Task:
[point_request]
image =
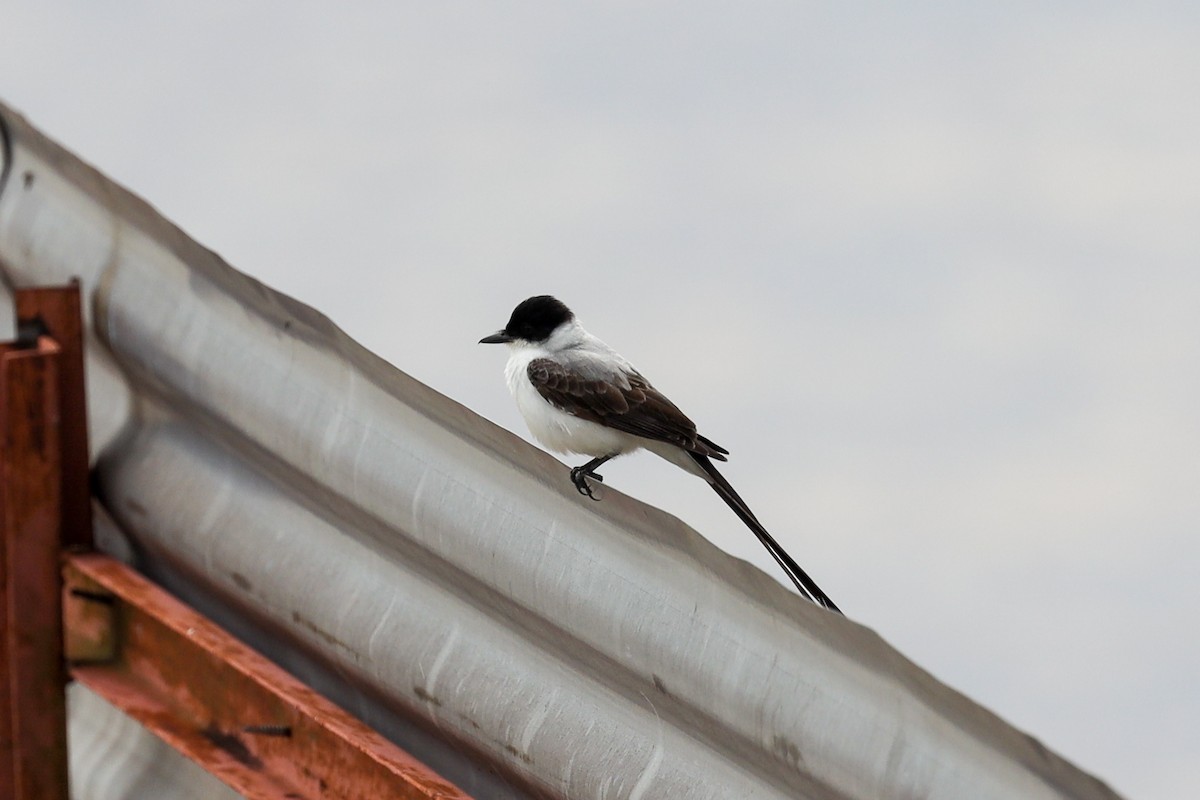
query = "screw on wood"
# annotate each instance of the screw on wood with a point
(269, 730)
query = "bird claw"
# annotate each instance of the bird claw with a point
(579, 477)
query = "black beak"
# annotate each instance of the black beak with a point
(499, 337)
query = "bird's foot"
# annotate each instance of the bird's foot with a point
(579, 477)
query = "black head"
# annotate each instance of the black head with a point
(532, 321)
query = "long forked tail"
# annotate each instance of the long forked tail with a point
(806, 585)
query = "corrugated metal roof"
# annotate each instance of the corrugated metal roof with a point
(437, 576)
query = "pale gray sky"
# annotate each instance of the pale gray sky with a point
(960, 246)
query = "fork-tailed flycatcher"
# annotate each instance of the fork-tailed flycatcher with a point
(578, 395)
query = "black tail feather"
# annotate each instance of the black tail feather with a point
(804, 584)
(714, 450)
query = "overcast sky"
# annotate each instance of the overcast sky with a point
(931, 272)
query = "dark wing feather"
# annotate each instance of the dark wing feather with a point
(639, 409)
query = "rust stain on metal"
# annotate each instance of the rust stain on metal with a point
(329, 638)
(247, 721)
(33, 759)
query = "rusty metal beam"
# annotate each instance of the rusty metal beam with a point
(33, 752)
(217, 701)
(56, 311)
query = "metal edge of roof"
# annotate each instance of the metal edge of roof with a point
(433, 572)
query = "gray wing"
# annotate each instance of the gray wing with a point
(624, 401)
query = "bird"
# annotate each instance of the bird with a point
(578, 395)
